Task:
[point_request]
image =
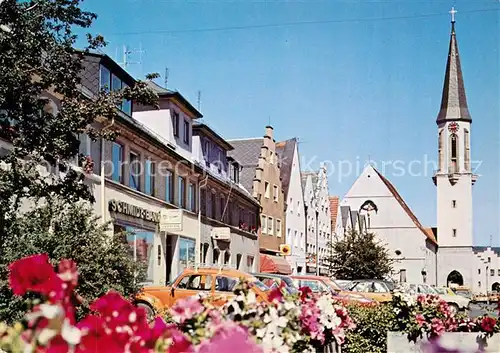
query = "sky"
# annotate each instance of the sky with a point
(353, 80)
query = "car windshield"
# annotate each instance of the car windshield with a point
(260, 285)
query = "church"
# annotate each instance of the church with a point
(444, 254)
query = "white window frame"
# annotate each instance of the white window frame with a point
(267, 191)
(278, 227)
(270, 226)
(263, 224)
(276, 193)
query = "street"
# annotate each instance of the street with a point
(479, 309)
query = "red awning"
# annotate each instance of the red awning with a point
(274, 264)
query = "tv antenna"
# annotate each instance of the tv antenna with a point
(166, 77)
(126, 54)
(199, 100)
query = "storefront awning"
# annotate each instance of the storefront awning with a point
(274, 264)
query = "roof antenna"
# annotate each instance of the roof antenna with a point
(199, 100)
(166, 77)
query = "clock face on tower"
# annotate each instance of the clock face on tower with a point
(453, 127)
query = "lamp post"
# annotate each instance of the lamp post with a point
(317, 243)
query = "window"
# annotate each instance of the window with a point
(271, 157)
(141, 245)
(222, 207)
(278, 228)
(126, 103)
(186, 132)
(117, 157)
(206, 150)
(175, 123)
(169, 186)
(236, 173)
(216, 256)
(467, 150)
(479, 284)
(478, 271)
(191, 197)
(267, 190)
(454, 154)
(302, 240)
(263, 223)
(181, 192)
(454, 232)
(135, 171)
(214, 205)
(492, 272)
(159, 255)
(238, 261)
(227, 257)
(225, 284)
(298, 208)
(290, 205)
(489, 259)
(150, 177)
(204, 252)
(296, 239)
(250, 263)
(454, 203)
(195, 282)
(105, 79)
(187, 248)
(275, 193)
(270, 226)
(116, 83)
(440, 151)
(499, 272)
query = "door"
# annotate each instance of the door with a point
(187, 286)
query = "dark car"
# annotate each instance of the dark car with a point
(274, 280)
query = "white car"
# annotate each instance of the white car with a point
(456, 302)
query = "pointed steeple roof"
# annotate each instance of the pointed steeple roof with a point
(454, 103)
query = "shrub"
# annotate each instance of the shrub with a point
(372, 324)
(72, 232)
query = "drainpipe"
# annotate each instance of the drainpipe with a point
(306, 233)
(317, 243)
(103, 179)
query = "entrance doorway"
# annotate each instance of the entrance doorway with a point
(495, 287)
(456, 278)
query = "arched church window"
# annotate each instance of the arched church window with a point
(454, 154)
(440, 150)
(467, 150)
(367, 208)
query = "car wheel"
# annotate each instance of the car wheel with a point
(453, 308)
(150, 312)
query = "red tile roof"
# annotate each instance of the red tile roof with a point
(334, 209)
(397, 196)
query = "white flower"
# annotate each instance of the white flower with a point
(251, 298)
(71, 334)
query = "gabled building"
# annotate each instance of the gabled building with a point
(288, 156)
(318, 220)
(260, 175)
(386, 214)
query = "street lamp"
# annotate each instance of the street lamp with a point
(317, 243)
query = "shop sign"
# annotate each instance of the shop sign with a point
(221, 233)
(134, 211)
(170, 220)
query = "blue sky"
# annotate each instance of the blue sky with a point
(358, 79)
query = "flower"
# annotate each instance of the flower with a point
(34, 274)
(186, 309)
(420, 320)
(228, 339)
(488, 324)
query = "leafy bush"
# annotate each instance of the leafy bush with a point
(73, 232)
(372, 324)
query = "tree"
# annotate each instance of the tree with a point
(360, 256)
(37, 55)
(70, 231)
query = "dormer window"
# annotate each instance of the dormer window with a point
(175, 123)
(186, 132)
(110, 82)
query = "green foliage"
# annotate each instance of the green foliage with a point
(37, 56)
(372, 325)
(72, 232)
(360, 256)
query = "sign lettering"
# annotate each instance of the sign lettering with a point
(134, 211)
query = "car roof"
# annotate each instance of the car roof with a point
(319, 278)
(217, 271)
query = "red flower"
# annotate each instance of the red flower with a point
(276, 295)
(305, 292)
(488, 324)
(95, 339)
(34, 274)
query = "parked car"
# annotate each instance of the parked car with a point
(445, 291)
(272, 280)
(463, 291)
(320, 284)
(377, 290)
(456, 302)
(343, 283)
(217, 284)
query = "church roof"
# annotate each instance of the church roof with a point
(405, 207)
(285, 150)
(454, 101)
(334, 209)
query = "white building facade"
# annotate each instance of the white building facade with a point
(295, 218)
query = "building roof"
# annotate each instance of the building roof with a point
(314, 180)
(405, 207)
(163, 92)
(210, 133)
(454, 102)
(334, 209)
(285, 151)
(246, 152)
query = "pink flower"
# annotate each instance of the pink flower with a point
(275, 295)
(229, 339)
(186, 309)
(34, 274)
(96, 337)
(180, 343)
(420, 320)
(437, 327)
(68, 272)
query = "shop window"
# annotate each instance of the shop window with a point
(141, 244)
(117, 157)
(135, 171)
(169, 186)
(216, 256)
(187, 249)
(181, 192)
(150, 177)
(250, 263)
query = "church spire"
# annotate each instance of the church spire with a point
(453, 103)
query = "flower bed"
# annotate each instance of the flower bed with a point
(300, 323)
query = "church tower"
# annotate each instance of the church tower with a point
(454, 177)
